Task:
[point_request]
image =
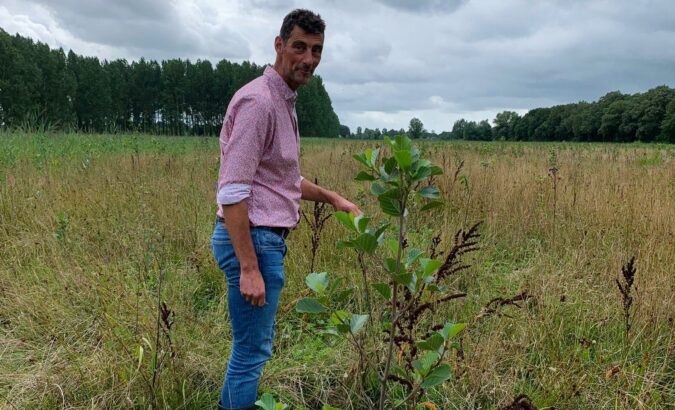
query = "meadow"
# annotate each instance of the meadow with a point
(110, 297)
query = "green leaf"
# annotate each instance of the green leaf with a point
(318, 282)
(390, 165)
(403, 158)
(430, 192)
(347, 219)
(437, 376)
(310, 305)
(429, 266)
(431, 205)
(373, 154)
(413, 255)
(366, 242)
(267, 402)
(362, 159)
(389, 202)
(392, 245)
(451, 330)
(383, 289)
(423, 365)
(364, 176)
(361, 223)
(356, 322)
(403, 142)
(339, 317)
(343, 295)
(377, 189)
(379, 231)
(436, 170)
(433, 343)
(327, 407)
(403, 278)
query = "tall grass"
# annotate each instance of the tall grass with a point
(89, 224)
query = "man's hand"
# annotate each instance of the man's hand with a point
(252, 287)
(341, 204)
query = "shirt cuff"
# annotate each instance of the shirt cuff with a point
(233, 193)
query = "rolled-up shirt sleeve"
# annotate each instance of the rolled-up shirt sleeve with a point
(246, 129)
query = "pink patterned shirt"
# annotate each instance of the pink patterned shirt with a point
(259, 152)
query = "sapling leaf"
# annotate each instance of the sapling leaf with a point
(437, 376)
(346, 219)
(366, 242)
(361, 223)
(436, 170)
(373, 156)
(429, 192)
(362, 159)
(451, 330)
(343, 295)
(433, 343)
(429, 266)
(327, 407)
(364, 176)
(318, 282)
(310, 305)
(339, 317)
(392, 245)
(390, 165)
(431, 205)
(356, 322)
(423, 365)
(377, 189)
(267, 402)
(390, 202)
(403, 278)
(413, 255)
(403, 158)
(383, 289)
(403, 142)
(379, 231)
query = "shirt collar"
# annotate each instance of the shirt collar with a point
(279, 84)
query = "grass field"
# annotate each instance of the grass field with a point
(95, 231)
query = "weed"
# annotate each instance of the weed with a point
(626, 288)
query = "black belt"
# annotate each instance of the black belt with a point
(283, 232)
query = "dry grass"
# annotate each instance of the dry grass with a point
(86, 224)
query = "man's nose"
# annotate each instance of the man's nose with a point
(307, 58)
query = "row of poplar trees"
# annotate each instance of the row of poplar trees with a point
(47, 88)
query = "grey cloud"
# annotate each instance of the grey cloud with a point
(442, 6)
(149, 28)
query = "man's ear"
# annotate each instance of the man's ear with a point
(278, 44)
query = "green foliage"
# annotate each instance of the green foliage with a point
(410, 279)
(267, 402)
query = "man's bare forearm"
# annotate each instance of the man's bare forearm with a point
(236, 221)
(313, 192)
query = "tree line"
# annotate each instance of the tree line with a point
(615, 117)
(47, 88)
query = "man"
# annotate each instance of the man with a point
(259, 192)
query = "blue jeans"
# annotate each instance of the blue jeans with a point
(252, 326)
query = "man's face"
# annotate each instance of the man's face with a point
(299, 56)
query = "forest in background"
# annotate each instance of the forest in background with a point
(45, 87)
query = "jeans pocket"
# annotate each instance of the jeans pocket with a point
(266, 239)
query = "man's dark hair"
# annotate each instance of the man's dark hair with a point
(305, 19)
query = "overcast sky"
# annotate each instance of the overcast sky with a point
(386, 61)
